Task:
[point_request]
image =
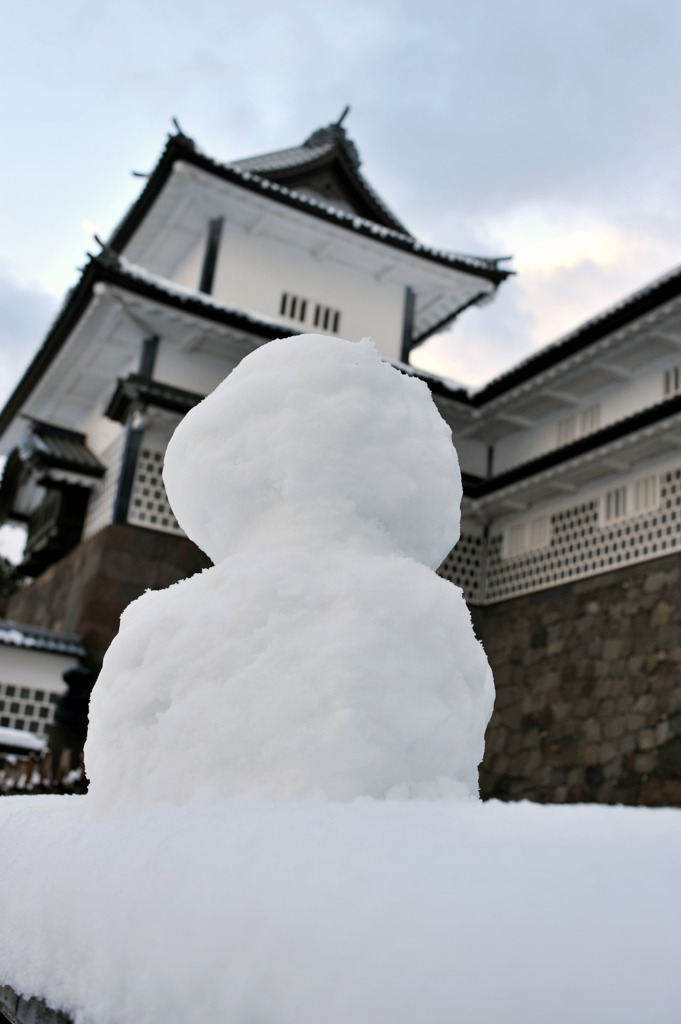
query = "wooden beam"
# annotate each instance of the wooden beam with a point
(408, 323)
(210, 257)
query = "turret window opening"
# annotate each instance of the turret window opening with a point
(295, 308)
(326, 318)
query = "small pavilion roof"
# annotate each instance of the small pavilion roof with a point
(326, 150)
(180, 147)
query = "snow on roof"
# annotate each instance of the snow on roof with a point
(16, 634)
(62, 447)
(353, 220)
(323, 143)
(457, 389)
(134, 270)
(283, 159)
(645, 299)
(18, 738)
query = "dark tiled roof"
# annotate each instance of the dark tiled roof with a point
(111, 270)
(643, 301)
(477, 487)
(16, 634)
(61, 448)
(149, 392)
(181, 148)
(319, 150)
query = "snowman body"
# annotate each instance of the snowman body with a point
(320, 655)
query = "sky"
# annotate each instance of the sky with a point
(541, 129)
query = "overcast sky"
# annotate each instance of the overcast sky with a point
(539, 128)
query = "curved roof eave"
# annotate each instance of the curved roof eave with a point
(179, 147)
(110, 269)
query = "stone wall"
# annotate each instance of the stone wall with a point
(87, 591)
(588, 679)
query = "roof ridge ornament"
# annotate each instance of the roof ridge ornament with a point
(108, 257)
(334, 133)
(180, 136)
(346, 111)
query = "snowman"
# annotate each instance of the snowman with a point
(321, 656)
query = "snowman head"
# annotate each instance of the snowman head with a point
(314, 423)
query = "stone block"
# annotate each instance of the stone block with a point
(615, 727)
(530, 739)
(613, 769)
(665, 677)
(646, 702)
(661, 614)
(655, 581)
(635, 664)
(620, 687)
(645, 763)
(594, 775)
(532, 763)
(624, 705)
(673, 701)
(511, 717)
(627, 744)
(612, 648)
(592, 729)
(663, 732)
(591, 754)
(561, 711)
(646, 739)
(669, 755)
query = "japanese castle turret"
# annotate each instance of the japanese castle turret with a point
(570, 549)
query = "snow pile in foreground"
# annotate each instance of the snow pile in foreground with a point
(321, 660)
(371, 912)
(321, 654)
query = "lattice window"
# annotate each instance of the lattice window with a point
(631, 499)
(463, 566)
(26, 708)
(615, 504)
(578, 424)
(672, 381)
(149, 504)
(583, 544)
(646, 494)
(526, 536)
(101, 504)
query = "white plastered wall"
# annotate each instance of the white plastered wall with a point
(42, 670)
(253, 271)
(616, 402)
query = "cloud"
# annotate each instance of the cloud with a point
(480, 124)
(25, 314)
(563, 280)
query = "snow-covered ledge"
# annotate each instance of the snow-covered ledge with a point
(283, 823)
